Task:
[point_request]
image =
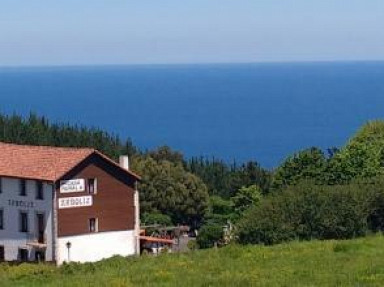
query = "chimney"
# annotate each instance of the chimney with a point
(124, 162)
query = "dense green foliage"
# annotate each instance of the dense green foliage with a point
(223, 212)
(319, 196)
(328, 263)
(155, 219)
(308, 164)
(245, 198)
(39, 131)
(209, 235)
(165, 153)
(220, 210)
(168, 189)
(308, 211)
(225, 180)
(361, 158)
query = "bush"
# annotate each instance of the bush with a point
(219, 205)
(245, 198)
(220, 211)
(376, 216)
(308, 211)
(210, 234)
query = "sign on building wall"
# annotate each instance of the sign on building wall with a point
(21, 203)
(73, 185)
(72, 202)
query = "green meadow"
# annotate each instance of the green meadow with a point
(358, 262)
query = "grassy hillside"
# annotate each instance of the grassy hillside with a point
(358, 262)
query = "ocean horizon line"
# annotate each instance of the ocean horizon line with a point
(151, 65)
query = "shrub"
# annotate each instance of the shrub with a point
(376, 191)
(219, 205)
(210, 234)
(309, 211)
(245, 198)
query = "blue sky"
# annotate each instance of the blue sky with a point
(74, 32)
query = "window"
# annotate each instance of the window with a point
(23, 221)
(1, 219)
(93, 225)
(23, 255)
(39, 190)
(92, 186)
(2, 253)
(40, 225)
(23, 187)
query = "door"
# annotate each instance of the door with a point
(2, 253)
(40, 227)
(39, 256)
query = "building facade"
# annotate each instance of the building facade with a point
(25, 220)
(64, 204)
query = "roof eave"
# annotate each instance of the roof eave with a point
(51, 180)
(104, 157)
(138, 177)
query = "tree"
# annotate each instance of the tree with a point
(219, 205)
(209, 235)
(224, 180)
(36, 130)
(220, 210)
(166, 153)
(308, 164)
(155, 218)
(362, 157)
(245, 198)
(168, 189)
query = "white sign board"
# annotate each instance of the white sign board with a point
(72, 202)
(73, 185)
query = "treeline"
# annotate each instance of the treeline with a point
(35, 130)
(224, 180)
(195, 191)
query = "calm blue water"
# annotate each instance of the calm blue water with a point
(250, 111)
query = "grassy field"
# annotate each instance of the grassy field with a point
(357, 262)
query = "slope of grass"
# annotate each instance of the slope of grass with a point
(358, 262)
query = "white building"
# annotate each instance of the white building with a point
(65, 204)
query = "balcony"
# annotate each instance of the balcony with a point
(37, 240)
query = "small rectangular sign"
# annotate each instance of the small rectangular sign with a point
(21, 203)
(72, 202)
(73, 185)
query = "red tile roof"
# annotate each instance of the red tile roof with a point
(42, 162)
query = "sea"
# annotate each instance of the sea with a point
(234, 112)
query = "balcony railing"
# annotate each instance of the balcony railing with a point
(38, 239)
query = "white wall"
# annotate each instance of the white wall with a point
(137, 221)
(11, 237)
(96, 246)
